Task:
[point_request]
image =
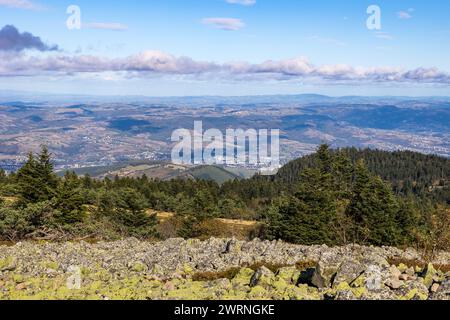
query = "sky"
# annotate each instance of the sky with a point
(225, 47)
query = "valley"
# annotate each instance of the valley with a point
(96, 133)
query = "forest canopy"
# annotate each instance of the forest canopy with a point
(332, 197)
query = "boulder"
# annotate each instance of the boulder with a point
(7, 264)
(243, 277)
(302, 292)
(373, 278)
(428, 275)
(434, 288)
(326, 270)
(394, 272)
(443, 292)
(348, 271)
(394, 283)
(288, 274)
(262, 277)
(414, 290)
(410, 272)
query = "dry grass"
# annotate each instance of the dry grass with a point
(211, 276)
(162, 216)
(232, 272)
(244, 223)
(10, 200)
(304, 265)
(219, 228)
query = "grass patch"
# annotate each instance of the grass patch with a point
(211, 276)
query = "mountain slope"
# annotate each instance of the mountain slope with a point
(408, 172)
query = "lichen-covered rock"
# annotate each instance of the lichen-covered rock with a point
(393, 283)
(262, 277)
(7, 264)
(243, 277)
(348, 271)
(413, 290)
(132, 269)
(258, 292)
(326, 269)
(394, 272)
(428, 275)
(288, 274)
(443, 292)
(373, 277)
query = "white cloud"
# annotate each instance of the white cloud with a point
(405, 14)
(105, 26)
(383, 35)
(19, 4)
(157, 63)
(229, 24)
(242, 2)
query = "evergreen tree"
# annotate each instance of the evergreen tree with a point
(3, 176)
(28, 181)
(306, 217)
(69, 199)
(36, 178)
(131, 212)
(373, 209)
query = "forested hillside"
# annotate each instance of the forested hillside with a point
(332, 197)
(408, 172)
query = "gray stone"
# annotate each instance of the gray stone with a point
(262, 277)
(326, 270)
(395, 273)
(434, 288)
(443, 292)
(410, 271)
(348, 271)
(394, 283)
(374, 278)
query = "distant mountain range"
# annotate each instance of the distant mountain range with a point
(103, 131)
(166, 171)
(302, 98)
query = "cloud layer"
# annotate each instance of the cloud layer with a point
(151, 63)
(12, 40)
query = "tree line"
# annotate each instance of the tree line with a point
(333, 197)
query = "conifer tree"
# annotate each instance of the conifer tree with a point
(36, 178)
(28, 181)
(69, 199)
(373, 209)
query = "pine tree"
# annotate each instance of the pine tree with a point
(69, 199)
(28, 181)
(3, 176)
(306, 217)
(359, 208)
(373, 209)
(36, 178)
(130, 211)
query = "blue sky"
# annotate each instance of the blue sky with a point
(340, 56)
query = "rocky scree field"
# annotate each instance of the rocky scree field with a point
(218, 269)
